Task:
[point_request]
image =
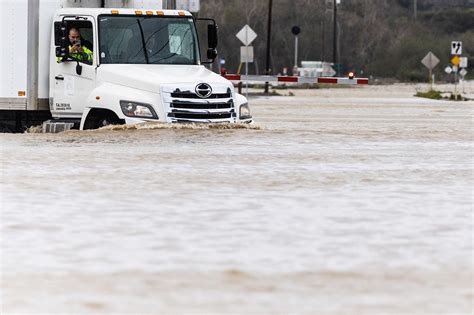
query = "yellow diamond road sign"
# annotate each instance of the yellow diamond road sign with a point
(456, 60)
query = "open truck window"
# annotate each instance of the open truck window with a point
(148, 40)
(80, 34)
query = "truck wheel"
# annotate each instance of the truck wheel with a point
(106, 121)
(99, 120)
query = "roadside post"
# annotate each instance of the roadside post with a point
(296, 30)
(246, 35)
(448, 69)
(463, 71)
(430, 61)
(455, 62)
(456, 52)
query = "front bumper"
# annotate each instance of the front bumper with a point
(183, 105)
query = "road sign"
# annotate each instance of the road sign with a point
(463, 72)
(456, 48)
(246, 35)
(328, 70)
(246, 54)
(188, 5)
(463, 63)
(456, 60)
(430, 61)
(448, 70)
(296, 30)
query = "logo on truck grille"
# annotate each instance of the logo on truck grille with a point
(203, 90)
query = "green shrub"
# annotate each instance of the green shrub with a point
(432, 94)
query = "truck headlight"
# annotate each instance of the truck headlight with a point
(138, 110)
(245, 111)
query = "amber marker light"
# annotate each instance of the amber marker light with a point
(115, 12)
(21, 93)
(160, 12)
(181, 13)
(97, 97)
(149, 12)
(138, 12)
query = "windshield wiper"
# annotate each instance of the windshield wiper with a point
(143, 41)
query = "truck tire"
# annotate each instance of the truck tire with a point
(99, 119)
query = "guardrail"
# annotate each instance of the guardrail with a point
(300, 80)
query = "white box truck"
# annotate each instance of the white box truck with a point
(90, 63)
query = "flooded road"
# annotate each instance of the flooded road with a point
(338, 201)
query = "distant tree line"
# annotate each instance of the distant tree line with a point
(379, 38)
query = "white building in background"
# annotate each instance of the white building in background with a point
(316, 69)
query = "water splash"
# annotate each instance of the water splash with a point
(190, 126)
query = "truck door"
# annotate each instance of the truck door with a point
(70, 87)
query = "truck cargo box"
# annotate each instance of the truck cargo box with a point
(25, 30)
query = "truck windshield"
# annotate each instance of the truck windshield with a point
(148, 40)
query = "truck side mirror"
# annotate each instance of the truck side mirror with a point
(211, 53)
(212, 36)
(61, 40)
(211, 40)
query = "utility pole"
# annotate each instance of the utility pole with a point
(415, 8)
(170, 4)
(296, 31)
(334, 51)
(323, 40)
(296, 52)
(269, 38)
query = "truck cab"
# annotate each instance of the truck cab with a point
(145, 67)
(143, 63)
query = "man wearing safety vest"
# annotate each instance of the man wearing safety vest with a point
(76, 50)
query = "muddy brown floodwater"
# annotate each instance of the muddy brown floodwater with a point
(337, 201)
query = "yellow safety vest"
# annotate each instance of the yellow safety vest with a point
(86, 56)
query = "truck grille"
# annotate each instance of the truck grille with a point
(191, 105)
(183, 105)
(193, 95)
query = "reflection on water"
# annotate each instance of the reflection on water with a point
(361, 204)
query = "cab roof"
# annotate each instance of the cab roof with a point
(120, 11)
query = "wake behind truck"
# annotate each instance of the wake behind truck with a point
(145, 66)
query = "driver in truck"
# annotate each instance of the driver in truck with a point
(76, 50)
